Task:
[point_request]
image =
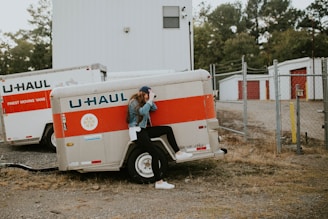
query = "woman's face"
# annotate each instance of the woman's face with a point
(146, 96)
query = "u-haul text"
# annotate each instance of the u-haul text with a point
(100, 100)
(28, 86)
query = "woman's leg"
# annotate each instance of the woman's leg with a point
(144, 141)
(157, 131)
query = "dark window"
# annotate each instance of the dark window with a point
(171, 17)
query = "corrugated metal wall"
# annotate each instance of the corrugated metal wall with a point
(313, 84)
(124, 35)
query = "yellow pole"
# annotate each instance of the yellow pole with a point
(292, 121)
(306, 91)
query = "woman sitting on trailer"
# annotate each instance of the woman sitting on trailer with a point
(140, 104)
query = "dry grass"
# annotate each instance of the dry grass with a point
(256, 177)
(252, 181)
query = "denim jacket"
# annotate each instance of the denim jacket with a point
(144, 111)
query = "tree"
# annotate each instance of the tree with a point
(278, 15)
(285, 47)
(29, 49)
(18, 57)
(226, 18)
(316, 17)
(4, 58)
(242, 45)
(200, 17)
(252, 17)
(207, 46)
(265, 30)
(41, 36)
(207, 40)
(262, 17)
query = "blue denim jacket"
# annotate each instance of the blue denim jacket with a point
(144, 111)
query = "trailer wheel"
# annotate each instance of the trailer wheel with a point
(139, 165)
(49, 138)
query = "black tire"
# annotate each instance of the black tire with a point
(139, 165)
(49, 138)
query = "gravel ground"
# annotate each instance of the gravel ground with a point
(290, 186)
(263, 114)
(252, 181)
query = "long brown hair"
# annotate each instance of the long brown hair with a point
(140, 98)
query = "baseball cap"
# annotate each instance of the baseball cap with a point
(145, 89)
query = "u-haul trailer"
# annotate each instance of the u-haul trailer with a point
(92, 134)
(25, 103)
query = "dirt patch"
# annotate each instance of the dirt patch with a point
(252, 181)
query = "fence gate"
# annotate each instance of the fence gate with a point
(311, 102)
(274, 94)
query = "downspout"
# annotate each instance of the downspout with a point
(190, 47)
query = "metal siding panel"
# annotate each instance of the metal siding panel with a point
(93, 31)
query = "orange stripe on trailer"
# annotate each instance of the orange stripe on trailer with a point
(58, 126)
(109, 119)
(183, 110)
(113, 118)
(26, 102)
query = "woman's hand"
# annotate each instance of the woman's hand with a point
(152, 95)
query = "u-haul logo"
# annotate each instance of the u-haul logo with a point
(89, 122)
(97, 100)
(28, 86)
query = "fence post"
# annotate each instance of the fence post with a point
(244, 69)
(299, 93)
(325, 97)
(276, 88)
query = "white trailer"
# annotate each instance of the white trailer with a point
(92, 133)
(25, 103)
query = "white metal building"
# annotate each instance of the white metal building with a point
(124, 35)
(262, 87)
(231, 88)
(311, 85)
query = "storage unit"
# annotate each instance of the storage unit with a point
(290, 72)
(231, 88)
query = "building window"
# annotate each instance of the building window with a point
(171, 17)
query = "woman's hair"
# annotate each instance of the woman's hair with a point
(140, 98)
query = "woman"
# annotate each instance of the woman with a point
(140, 104)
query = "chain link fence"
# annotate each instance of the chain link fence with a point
(284, 104)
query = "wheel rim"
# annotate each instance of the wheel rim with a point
(143, 165)
(53, 140)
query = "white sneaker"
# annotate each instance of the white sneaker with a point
(164, 185)
(183, 156)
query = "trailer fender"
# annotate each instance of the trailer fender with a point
(160, 142)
